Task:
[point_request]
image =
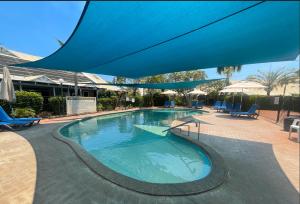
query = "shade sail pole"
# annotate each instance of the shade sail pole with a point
(76, 83)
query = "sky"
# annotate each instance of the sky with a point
(34, 27)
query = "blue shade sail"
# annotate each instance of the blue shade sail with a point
(170, 85)
(135, 39)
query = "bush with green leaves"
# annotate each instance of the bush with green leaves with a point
(107, 103)
(138, 101)
(100, 107)
(23, 112)
(57, 105)
(5, 105)
(29, 99)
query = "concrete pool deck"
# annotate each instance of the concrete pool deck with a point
(263, 166)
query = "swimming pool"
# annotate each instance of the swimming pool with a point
(134, 144)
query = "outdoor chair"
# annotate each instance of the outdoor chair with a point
(4, 117)
(167, 104)
(194, 104)
(217, 105)
(229, 107)
(234, 108)
(172, 104)
(251, 113)
(295, 126)
(197, 104)
(222, 107)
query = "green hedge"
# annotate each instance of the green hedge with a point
(28, 99)
(107, 103)
(23, 113)
(57, 105)
(5, 105)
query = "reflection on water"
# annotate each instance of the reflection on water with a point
(135, 145)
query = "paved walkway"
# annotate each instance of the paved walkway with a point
(17, 169)
(263, 166)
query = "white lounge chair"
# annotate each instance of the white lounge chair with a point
(295, 126)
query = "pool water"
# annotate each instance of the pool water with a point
(134, 144)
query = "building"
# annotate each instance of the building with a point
(48, 82)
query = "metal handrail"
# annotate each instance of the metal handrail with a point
(197, 123)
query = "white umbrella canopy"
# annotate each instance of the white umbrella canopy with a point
(197, 92)
(7, 91)
(245, 85)
(169, 92)
(233, 90)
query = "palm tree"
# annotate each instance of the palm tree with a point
(61, 43)
(271, 79)
(287, 78)
(228, 71)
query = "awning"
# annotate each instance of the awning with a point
(141, 38)
(169, 85)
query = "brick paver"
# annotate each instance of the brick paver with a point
(234, 139)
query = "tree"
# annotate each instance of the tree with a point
(228, 71)
(186, 76)
(213, 88)
(272, 79)
(153, 79)
(61, 43)
(287, 78)
(119, 80)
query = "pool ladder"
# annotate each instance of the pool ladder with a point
(197, 123)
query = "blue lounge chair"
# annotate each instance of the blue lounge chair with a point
(200, 104)
(217, 105)
(4, 117)
(12, 124)
(172, 104)
(194, 104)
(229, 107)
(222, 107)
(251, 113)
(167, 104)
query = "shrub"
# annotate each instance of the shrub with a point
(107, 103)
(57, 105)
(147, 100)
(179, 101)
(100, 107)
(45, 114)
(23, 113)
(5, 105)
(159, 99)
(138, 101)
(28, 99)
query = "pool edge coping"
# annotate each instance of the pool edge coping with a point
(214, 179)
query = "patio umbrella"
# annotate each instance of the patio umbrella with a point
(197, 92)
(244, 86)
(234, 90)
(169, 92)
(7, 91)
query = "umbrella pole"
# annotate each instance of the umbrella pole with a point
(241, 100)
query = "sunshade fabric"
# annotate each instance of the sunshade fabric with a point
(169, 85)
(135, 39)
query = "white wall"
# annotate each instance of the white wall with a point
(78, 105)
